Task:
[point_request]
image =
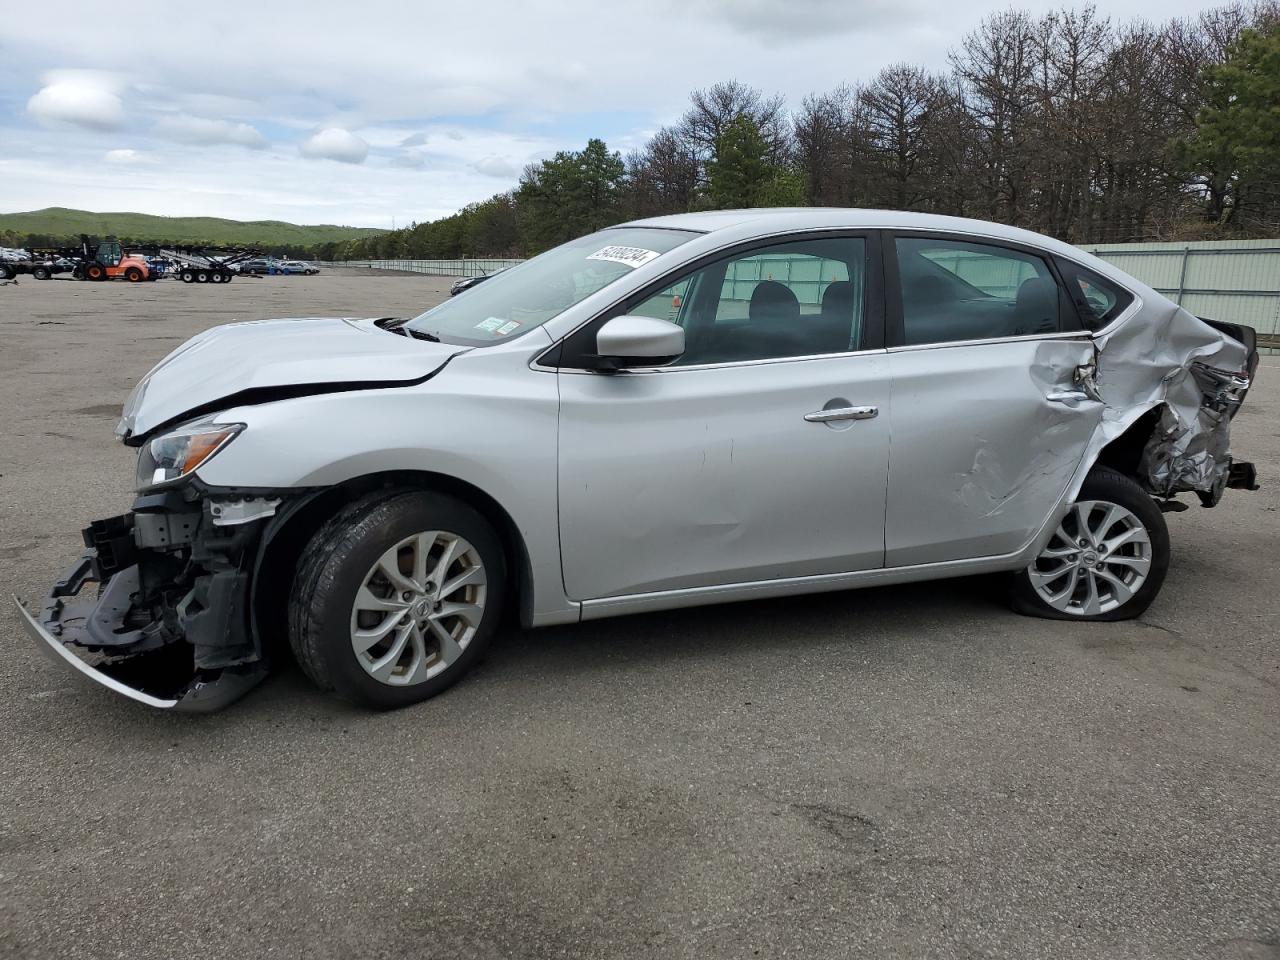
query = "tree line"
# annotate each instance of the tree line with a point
(1069, 123)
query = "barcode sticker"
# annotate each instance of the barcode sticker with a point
(627, 256)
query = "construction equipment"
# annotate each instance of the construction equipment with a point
(95, 259)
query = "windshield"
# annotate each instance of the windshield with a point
(531, 293)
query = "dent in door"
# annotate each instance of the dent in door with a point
(986, 439)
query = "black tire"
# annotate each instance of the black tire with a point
(188, 276)
(41, 273)
(334, 565)
(133, 275)
(1106, 485)
(95, 271)
(7, 272)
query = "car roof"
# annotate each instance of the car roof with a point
(733, 225)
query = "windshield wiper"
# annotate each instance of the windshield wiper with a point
(405, 331)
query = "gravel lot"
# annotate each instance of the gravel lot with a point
(906, 772)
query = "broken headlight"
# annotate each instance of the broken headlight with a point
(175, 455)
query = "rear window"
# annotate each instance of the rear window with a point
(1097, 300)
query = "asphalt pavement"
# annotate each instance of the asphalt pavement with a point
(898, 772)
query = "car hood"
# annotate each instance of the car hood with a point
(264, 360)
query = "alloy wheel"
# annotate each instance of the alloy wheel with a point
(1098, 558)
(418, 607)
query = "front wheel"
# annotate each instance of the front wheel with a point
(1105, 561)
(396, 598)
(133, 275)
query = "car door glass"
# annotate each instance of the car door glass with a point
(1097, 300)
(666, 304)
(955, 290)
(794, 299)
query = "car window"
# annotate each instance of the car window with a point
(1098, 301)
(789, 300)
(666, 304)
(954, 290)
(526, 296)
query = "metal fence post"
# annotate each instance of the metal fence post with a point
(1182, 276)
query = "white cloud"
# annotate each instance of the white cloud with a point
(77, 102)
(409, 159)
(127, 156)
(420, 128)
(496, 167)
(334, 143)
(202, 131)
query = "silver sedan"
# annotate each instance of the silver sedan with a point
(684, 410)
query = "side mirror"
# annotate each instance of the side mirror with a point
(637, 342)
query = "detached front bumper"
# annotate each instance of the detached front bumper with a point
(169, 626)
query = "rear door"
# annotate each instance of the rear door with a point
(761, 454)
(991, 413)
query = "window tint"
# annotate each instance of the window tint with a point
(1098, 301)
(788, 300)
(953, 290)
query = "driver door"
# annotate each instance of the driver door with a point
(723, 468)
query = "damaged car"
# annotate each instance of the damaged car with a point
(683, 410)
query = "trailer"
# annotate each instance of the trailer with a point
(206, 265)
(16, 262)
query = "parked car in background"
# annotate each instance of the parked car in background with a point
(297, 266)
(256, 267)
(466, 283)
(676, 411)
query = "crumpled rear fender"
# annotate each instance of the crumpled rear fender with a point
(1194, 375)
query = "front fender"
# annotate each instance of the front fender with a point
(492, 431)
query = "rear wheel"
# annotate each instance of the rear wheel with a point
(202, 276)
(188, 276)
(95, 271)
(41, 273)
(133, 275)
(396, 598)
(7, 272)
(1105, 561)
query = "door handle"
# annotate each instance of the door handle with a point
(1067, 396)
(842, 413)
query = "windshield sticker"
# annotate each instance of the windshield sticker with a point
(627, 256)
(490, 324)
(507, 327)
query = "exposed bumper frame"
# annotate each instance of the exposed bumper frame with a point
(200, 695)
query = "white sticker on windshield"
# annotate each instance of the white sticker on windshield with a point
(507, 327)
(490, 324)
(627, 256)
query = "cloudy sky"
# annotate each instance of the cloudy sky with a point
(361, 112)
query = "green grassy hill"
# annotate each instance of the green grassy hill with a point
(63, 224)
